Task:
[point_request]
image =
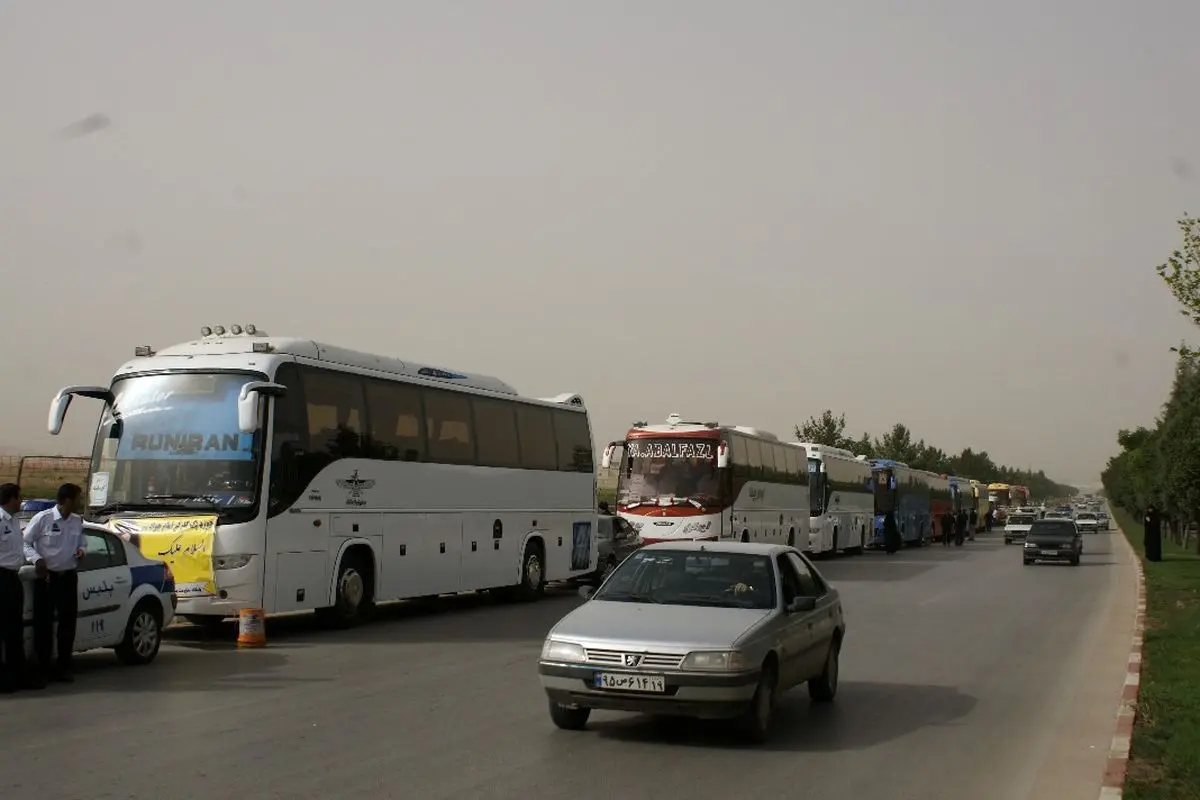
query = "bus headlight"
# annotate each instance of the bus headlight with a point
(231, 561)
(715, 660)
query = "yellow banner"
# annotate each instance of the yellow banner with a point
(184, 543)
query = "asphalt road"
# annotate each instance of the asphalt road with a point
(965, 674)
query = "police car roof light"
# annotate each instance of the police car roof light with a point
(219, 330)
(206, 331)
(236, 330)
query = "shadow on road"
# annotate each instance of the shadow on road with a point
(455, 618)
(839, 571)
(864, 715)
(175, 670)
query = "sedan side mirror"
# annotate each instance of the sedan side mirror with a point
(586, 592)
(802, 604)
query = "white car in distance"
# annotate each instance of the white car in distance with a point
(125, 599)
(1087, 522)
(1017, 526)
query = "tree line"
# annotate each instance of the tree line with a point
(897, 444)
(1160, 465)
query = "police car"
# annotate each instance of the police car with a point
(125, 599)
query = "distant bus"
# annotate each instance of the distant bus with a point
(287, 475)
(902, 490)
(1018, 496)
(941, 501)
(841, 502)
(998, 496)
(701, 480)
(982, 504)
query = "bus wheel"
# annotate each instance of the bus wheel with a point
(353, 593)
(792, 537)
(745, 537)
(533, 572)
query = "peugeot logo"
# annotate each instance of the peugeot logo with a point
(632, 659)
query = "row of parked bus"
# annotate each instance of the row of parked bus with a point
(689, 480)
(284, 474)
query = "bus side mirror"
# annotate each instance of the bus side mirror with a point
(62, 401)
(722, 455)
(248, 402)
(606, 459)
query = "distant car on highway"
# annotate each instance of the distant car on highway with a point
(125, 599)
(1103, 519)
(1087, 522)
(697, 629)
(1017, 526)
(1059, 514)
(616, 539)
(1053, 540)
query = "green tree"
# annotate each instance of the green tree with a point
(897, 444)
(1181, 272)
(826, 429)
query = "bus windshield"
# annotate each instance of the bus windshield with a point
(816, 488)
(172, 440)
(683, 471)
(885, 493)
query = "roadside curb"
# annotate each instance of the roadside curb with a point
(1118, 752)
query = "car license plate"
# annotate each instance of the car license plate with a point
(1049, 552)
(624, 682)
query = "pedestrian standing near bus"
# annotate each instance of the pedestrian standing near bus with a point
(54, 543)
(12, 593)
(974, 521)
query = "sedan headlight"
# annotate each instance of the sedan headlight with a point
(554, 650)
(717, 660)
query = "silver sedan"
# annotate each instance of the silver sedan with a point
(697, 629)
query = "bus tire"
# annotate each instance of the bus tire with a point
(354, 591)
(745, 537)
(791, 537)
(533, 572)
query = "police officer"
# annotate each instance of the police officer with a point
(54, 543)
(12, 593)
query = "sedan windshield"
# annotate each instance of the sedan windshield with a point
(693, 578)
(1020, 520)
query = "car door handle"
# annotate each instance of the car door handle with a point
(120, 580)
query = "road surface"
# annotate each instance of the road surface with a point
(964, 674)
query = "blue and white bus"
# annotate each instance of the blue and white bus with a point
(900, 489)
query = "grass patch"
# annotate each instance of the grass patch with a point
(1165, 759)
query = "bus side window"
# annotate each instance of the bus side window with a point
(448, 425)
(289, 478)
(796, 472)
(755, 459)
(336, 413)
(741, 458)
(394, 411)
(538, 449)
(496, 433)
(574, 441)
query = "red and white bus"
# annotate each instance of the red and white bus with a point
(701, 480)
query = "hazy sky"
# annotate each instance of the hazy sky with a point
(940, 212)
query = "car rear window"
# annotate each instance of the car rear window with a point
(1056, 528)
(1020, 520)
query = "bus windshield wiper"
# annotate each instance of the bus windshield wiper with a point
(204, 498)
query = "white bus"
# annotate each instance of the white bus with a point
(701, 480)
(841, 500)
(287, 475)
